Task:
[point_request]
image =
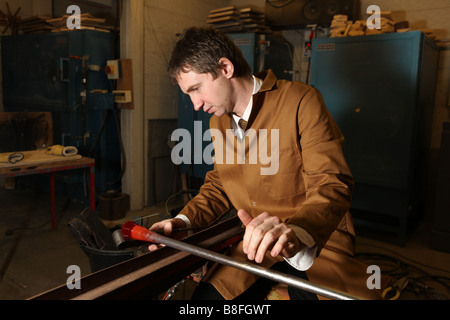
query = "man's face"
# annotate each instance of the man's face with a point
(211, 95)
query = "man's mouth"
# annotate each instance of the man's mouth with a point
(209, 110)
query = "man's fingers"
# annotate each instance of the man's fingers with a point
(166, 227)
(268, 238)
(254, 233)
(279, 245)
(245, 217)
(158, 226)
(274, 240)
(267, 233)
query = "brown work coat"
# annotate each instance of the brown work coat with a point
(310, 186)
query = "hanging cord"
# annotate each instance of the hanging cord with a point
(188, 191)
(122, 150)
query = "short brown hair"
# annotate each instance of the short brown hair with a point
(200, 49)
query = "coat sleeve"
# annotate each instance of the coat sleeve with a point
(328, 179)
(210, 204)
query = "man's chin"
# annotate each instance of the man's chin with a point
(218, 113)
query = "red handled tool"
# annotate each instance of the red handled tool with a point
(131, 230)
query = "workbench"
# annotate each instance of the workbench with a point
(38, 162)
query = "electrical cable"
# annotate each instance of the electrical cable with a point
(188, 191)
(99, 133)
(402, 269)
(404, 258)
(122, 150)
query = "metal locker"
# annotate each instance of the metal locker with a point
(380, 90)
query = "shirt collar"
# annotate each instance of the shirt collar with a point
(257, 83)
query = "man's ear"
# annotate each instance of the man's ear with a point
(226, 67)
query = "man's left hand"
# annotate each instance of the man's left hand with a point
(267, 233)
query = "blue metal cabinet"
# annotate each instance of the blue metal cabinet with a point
(189, 119)
(380, 90)
(53, 72)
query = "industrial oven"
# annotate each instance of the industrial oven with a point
(64, 73)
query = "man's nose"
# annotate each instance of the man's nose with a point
(198, 104)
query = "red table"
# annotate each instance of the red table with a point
(36, 162)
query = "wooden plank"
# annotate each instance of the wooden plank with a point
(47, 167)
(38, 157)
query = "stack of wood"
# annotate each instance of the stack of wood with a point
(357, 28)
(233, 19)
(87, 20)
(252, 20)
(342, 27)
(386, 24)
(35, 24)
(339, 26)
(39, 24)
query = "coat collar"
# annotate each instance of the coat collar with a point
(270, 80)
(269, 83)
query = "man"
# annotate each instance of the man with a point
(296, 217)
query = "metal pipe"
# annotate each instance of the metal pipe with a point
(279, 277)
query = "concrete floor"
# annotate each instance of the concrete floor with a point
(34, 258)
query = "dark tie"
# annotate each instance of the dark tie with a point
(242, 124)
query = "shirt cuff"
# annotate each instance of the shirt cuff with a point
(304, 259)
(185, 219)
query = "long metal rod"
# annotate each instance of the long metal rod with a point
(252, 268)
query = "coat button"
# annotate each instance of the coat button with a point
(254, 204)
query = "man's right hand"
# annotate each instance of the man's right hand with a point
(165, 227)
